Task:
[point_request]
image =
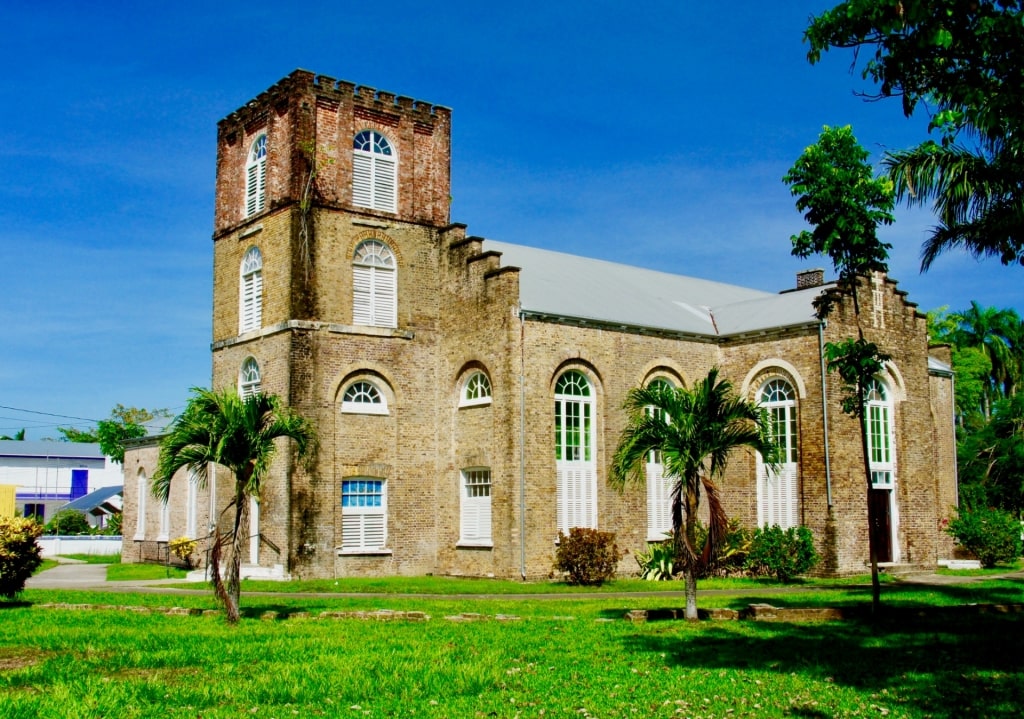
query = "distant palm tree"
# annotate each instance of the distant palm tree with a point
(19, 436)
(999, 333)
(222, 428)
(695, 432)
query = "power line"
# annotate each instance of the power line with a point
(48, 414)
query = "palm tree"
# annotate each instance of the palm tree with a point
(222, 428)
(998, 333)
(695, 431)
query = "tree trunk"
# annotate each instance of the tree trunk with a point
(690, 573)
(234, 581)
(691, 593)
(876, 589)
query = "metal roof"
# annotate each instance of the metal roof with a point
(44, 449)
(570, 287)
(98, 498)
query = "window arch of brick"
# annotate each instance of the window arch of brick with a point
(250, 294)
(249, 378)
(374, 285)
(475, 389)
(778, 492)
(256, 176)
(374, 172)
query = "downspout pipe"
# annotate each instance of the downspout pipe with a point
(824, 413)
(522, 444)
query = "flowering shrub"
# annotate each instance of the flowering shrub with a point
(588, 556)
(183, 548)
(19, 553)
(785, 553)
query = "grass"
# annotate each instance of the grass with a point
(1015, 566)
(564, 658)
(95, 558)
(138, 572)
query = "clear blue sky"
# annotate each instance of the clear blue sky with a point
(652, 133)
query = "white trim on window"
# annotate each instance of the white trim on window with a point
(250, 294)
(475, 507)
(363, 515)
(191, 506)
(165, 522)
(880, 436)
(374, 285)
(575, 452)
(143, 490)
(364, 397)
(659, 487)
(778, 495)
(249, 378)
(476, 390)
(374, 172)
(256, 176)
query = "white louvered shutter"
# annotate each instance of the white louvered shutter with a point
(252, 189)
(384, 291)
(362, 180)
(384, 184)
(362, 295)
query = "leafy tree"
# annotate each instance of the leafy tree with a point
(966, 61)
(695, 430)
(239, 434)
(992, 456)
(845, 204)
(19, 436)
(123, 424)
(68, 522)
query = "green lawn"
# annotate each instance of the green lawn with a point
(95, 558)
(567, 657)
(136, 572)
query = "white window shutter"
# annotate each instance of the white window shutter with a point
(362, 295)
(261, 190)
(362, 180)
(384, 309)
(251, 189)
(384, 184)
(257, 300)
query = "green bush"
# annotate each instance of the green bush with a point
(784, 553)
(992, 535)
(732, 553)
(587, 556)
(68, 522)
(657, 561)
(19, 553)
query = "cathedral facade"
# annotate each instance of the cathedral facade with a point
(468, 393)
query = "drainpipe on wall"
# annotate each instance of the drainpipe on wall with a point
(522, 444)
(824, 413)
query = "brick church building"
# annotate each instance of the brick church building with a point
(468, 393)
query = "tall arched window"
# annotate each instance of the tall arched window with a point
(256, 176)
(777, 492)
(249, 382)
(880, 449)
(374, 172)
(142, 489)
(659, 488)
(575, 455)
(250, 296)
(374, 285)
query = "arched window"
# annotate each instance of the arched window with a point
(249, 378)
(374, 172)
(374, 285)
(880, 445)
(475, 390)
(364, 397)
(777, 492)
(659, 487)
(142, 488)
(256, 176)
(250, 300)
(575, 461)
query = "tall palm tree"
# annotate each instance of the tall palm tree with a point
(238, 434)
(998, 333)
(695, 432)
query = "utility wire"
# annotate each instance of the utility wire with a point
(48, 414)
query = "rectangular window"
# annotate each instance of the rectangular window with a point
(37, 510)
(476, 507)
(363, 513)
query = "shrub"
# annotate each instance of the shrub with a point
(182, 548)
(656, 562)
(732, 553)
(992, 535)
(588, 556)
(68, 522)
(784, 553)
(19, 553)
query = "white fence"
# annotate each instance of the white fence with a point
(87, 544)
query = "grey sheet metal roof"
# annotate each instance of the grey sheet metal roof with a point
(938, 367)
(65, 450)
(570, 287)
(91, 501)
